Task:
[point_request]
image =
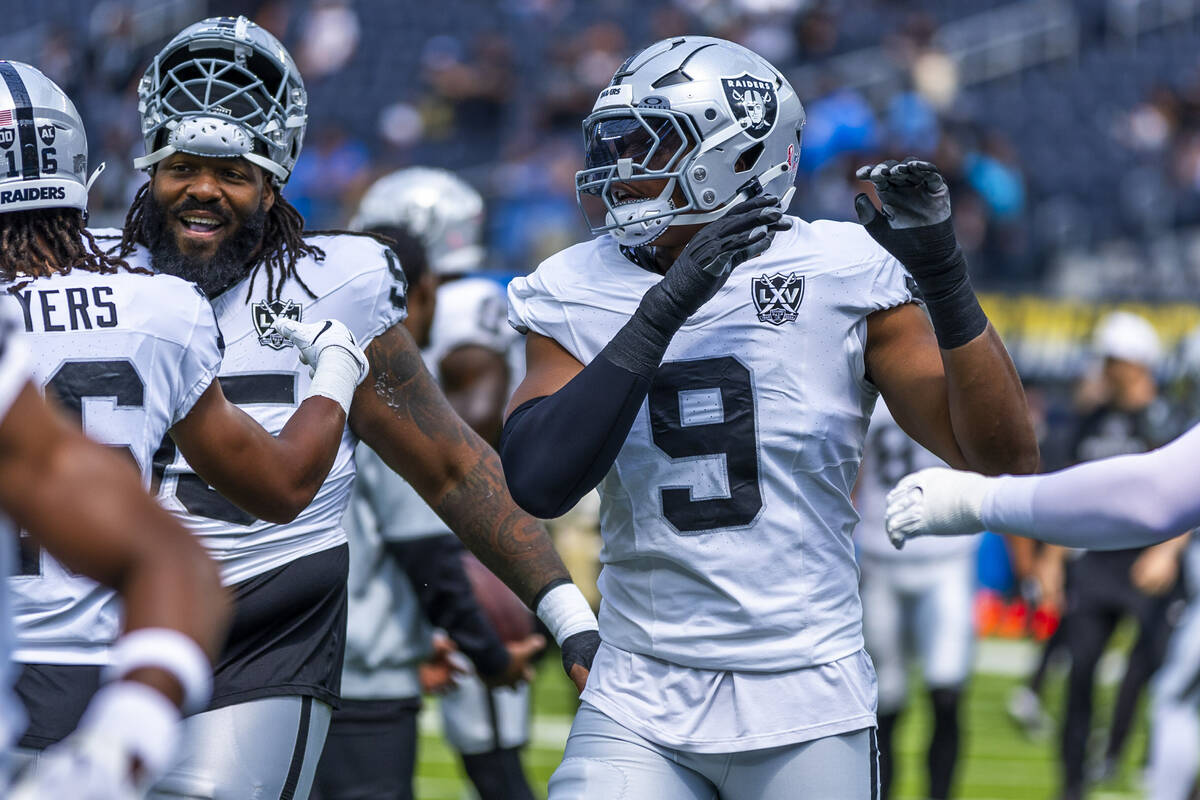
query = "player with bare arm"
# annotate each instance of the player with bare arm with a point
(224, 111)
(133, 355)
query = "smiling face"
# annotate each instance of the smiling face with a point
(208, 200)
(205, 218)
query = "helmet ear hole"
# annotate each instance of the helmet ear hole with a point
(748, 158)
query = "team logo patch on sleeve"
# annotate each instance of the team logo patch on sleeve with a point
(263, 314)
(753, 102)
(777, 297)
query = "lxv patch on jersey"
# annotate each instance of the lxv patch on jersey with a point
(263, 314)
(777, 297)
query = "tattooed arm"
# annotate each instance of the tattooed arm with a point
(403, 416)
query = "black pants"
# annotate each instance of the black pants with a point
(371, 751)
(1101, 595)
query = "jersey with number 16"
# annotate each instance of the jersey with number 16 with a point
(129, 355)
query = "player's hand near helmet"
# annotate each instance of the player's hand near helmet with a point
(123, 745)
(338, 363)
(705, 264)
(936, 502)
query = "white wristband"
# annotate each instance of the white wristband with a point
(566, 612)
(337, 375)
(165, 649)
(141, 721)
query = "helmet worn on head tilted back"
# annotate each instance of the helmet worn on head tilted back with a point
(713, 119)
(226, 88)
(43, 145)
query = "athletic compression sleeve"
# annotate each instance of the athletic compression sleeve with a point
(1115, 503)
(556, 449)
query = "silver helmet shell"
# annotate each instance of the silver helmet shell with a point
(43, 145)
(713, 119)
(224, 87)
(439, 208)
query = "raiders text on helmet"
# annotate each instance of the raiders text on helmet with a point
(43, 146)
(713, 119)
(439, 208)
(226, 88)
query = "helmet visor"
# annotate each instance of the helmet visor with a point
(649, 143)
(630, 155)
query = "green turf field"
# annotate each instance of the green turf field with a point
(998, 764)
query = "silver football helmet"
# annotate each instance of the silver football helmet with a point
(224, 87)
(436, 206)
(713, 119)
(43, 145)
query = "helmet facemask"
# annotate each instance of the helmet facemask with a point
(224, 88)
(628, 146)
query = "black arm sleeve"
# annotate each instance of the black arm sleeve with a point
(556, 449)
(435, 568)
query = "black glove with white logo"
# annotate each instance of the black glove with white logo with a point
(916, 227)
(699, 272)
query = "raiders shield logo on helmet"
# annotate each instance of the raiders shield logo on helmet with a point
(7, 137)
(264, 314)
(777, 297)
(753, 102)
(47, 133)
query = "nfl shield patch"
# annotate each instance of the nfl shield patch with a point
(777, 297)
(263, 314)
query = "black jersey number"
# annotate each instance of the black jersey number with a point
(71, 383)
(193, 493)
(706, 408)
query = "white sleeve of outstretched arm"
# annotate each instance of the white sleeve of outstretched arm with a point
(1111, 504)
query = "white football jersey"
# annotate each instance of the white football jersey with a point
(130, 354)
(359, 283)
(14, 373)
(890, 455)
(470, 311)
(727, 518)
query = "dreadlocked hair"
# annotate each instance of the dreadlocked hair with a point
(51, 241)
(283, 242)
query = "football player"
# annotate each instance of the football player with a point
(134, 355)
(712, 365)
(224, 112)
(406, 575)
(916, 602)
(467, 345)
(83, 503)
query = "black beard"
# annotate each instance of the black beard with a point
(228, 265)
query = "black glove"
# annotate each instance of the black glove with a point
(705, 264)
(916, 227)
(697, 274)
(580, 648)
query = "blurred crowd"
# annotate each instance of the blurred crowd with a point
(497, 91)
